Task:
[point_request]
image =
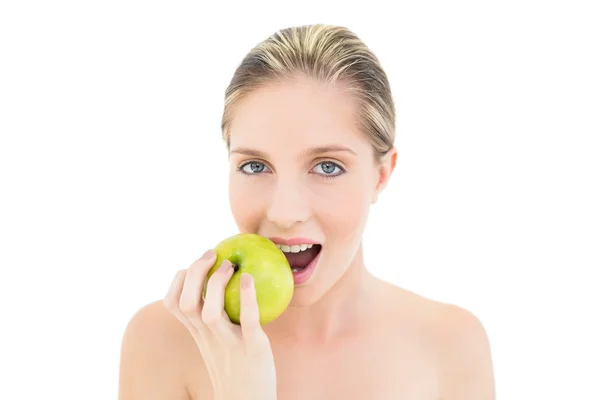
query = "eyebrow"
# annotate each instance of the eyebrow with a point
(311, 152)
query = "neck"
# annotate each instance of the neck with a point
(342, 308)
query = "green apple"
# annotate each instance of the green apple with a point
(270, 270)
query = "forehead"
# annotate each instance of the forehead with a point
(295, 114)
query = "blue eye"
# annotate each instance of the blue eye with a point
(253, 168)
(328, 169)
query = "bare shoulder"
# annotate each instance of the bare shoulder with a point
(156, 352)
(460, 342)
(465, 354)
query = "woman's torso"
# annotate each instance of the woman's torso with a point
(394, 357)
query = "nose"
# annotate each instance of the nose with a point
(288, 205)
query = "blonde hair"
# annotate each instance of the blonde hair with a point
(327, 53)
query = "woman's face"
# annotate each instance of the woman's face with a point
(299, 168)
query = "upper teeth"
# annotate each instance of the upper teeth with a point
(295, 248)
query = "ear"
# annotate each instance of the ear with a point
(384, 172)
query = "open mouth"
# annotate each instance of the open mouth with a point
(299, 257)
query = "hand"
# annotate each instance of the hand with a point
(238, 358)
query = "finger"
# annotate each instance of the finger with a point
(249, 314)
(171, 299)
(190, 300)
(213, 314)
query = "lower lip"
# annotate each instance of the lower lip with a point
(304, 275)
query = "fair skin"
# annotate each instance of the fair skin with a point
(346, 333)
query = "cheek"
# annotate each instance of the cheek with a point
(343, 209)
(246, 199)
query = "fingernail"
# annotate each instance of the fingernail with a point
(246, 281)
(210, 253)
(226, 264)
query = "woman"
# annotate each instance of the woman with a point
(309, 124)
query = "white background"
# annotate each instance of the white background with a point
(113, 173)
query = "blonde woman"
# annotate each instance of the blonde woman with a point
(309, 125)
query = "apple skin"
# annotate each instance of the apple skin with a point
(270, 270)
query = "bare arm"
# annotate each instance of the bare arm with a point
(467, 372)
(149, 367)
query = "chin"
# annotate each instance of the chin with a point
(305, 296)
